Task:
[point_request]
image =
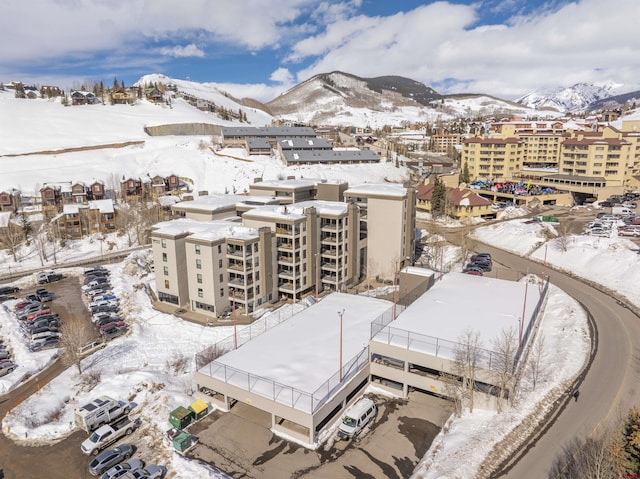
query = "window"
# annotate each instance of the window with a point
(221, 277)
(164, 257)
(219, 249)
(198, 264)
(199, 278)
(197, 249)
(165, 270)
(200, 293)
(166, 284)
(163, 242)
(219, 263)
(221, 292)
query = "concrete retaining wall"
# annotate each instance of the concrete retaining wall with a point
(184, 129)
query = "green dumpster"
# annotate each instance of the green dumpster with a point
(183, 441)
(181, 417)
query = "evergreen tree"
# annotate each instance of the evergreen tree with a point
(27, 229)
(465, 177)
(438, 198)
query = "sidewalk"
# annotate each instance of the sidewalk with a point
(199, 318)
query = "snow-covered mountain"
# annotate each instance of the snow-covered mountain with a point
(339, 98)
(573, 99)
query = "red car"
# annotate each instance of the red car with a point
(22, 304)
(114, 324)
(38, 313)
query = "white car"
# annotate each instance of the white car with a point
(38, 337)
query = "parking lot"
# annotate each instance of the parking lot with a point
(241, 444)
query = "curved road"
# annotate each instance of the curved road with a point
(609, 387)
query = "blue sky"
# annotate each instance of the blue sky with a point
(260, 48)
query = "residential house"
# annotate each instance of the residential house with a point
(460, 203)
(10, 200)
(79, 220)
(83, 98)
(51, 196)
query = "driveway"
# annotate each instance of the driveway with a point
(240, 443)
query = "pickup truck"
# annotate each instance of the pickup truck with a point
(106, 435)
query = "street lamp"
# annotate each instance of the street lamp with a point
(341, 313)
(232, 291)
(395, 284)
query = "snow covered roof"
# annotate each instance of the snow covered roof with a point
(459, 301)
(205, 230)
(104, 206)
(377, 189)
(303, 352)
(210, 203)
(286, 184)
(297, 210)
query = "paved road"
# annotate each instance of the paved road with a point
(609, 388)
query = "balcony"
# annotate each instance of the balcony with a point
(285, 273)
(236, 253)
(236, 267)
(329, 227)
(285, 259)
(285, 286)
(329, 266)
(329, 278)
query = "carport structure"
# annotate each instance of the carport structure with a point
(304, 371)
(419, 349)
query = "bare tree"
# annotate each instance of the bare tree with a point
(466, 363)
(585, 458)
(75, 334)
(11, 237)
(505, 348)
(453, 390)
(564, 230)
(534, 364)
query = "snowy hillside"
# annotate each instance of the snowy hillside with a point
(31, 127)
(573, 99)
(484, 106)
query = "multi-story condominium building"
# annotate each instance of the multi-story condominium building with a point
(598, 161)
(387, 227)
(312, 246)
(445, 142)
(315, 244)
(493, 158)
(213, 266)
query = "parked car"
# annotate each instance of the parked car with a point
(32, 297)
(601, 232)
(109, 458)
(97, 270)
(24, 313)
(629, 231)
(91, 347)
(105, 308)
(5, 354)
(40, 323)
(111, 325)
(51, 342)
(8, 289)
(42, 329)
(606, 204)
(7, 368)
(23, 304)
(473, 269)
(112, 318)
(38, 313)
(44, 335)
(48, 277)
(92, 293)
(46, 296)
(6, 297)
(356, 418)
(112, 333)
(483, 265)
(121, 469)
(150, 471)
(480, 256)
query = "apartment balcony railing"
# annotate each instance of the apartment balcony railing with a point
(285, 286)
(285, 259)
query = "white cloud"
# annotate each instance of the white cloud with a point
(440, 44)
(587, 40)
(178, 51)
(282, 76)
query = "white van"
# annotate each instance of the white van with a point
(356, 418)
